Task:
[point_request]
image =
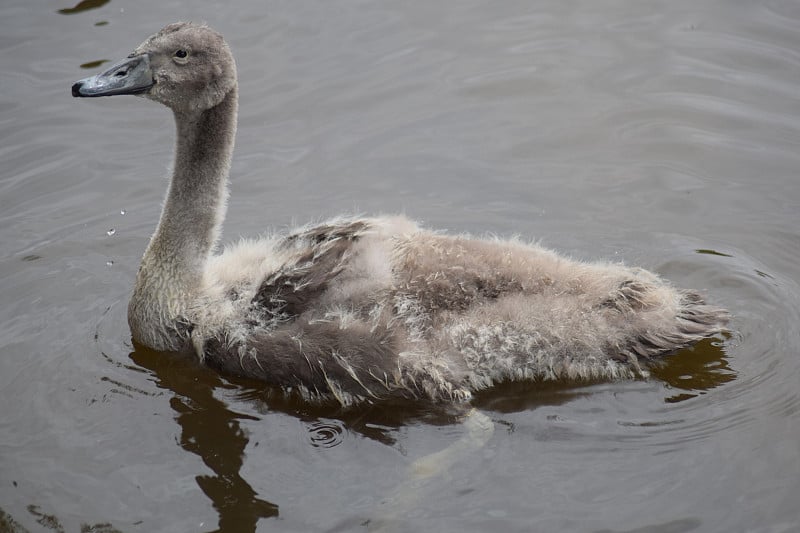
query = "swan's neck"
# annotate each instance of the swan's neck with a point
(170, 276)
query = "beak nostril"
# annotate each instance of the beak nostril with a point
(121, 73)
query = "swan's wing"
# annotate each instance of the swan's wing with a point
(321, 359)
(348, 229)
(321, 254)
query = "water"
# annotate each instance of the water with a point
(662, 134)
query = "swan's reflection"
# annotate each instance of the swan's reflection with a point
(212, 431)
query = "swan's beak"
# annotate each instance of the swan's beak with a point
(131, 76)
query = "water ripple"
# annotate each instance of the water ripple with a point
(326, 434)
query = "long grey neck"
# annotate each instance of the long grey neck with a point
(171, 271)
(196, 200)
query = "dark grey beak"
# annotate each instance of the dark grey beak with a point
(131, 76)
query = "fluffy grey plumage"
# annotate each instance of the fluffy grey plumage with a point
(367, 309)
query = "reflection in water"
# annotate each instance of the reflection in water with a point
(376, 422)
(763, 274)
(84, 5)
(517, 396)
(705, 251)
(673, 526)
(45, 520)
(212, 431)
(94, 64)
(695, 370)
(48, 521)
(9, 525)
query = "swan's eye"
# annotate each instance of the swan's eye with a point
(181, 56)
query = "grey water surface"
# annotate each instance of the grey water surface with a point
(664, 134)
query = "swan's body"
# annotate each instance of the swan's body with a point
(366, 308)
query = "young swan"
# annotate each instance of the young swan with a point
(366, 309)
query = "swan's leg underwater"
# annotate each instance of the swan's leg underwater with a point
(430, 474)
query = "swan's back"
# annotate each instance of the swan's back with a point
(379, 308)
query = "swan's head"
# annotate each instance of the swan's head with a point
(187, 67)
